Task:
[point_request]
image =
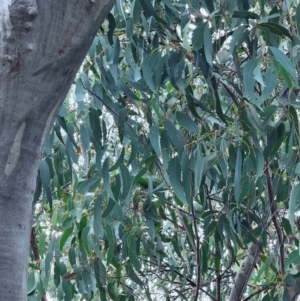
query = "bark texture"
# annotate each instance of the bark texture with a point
(244, 273)
(42, 44)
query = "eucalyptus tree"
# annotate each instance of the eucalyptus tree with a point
(42, 46)
(172, 170)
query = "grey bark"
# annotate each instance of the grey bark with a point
(42, 44)
(244, 273)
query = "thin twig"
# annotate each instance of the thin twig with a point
(253, 294)
(197, 245)
(275, 221)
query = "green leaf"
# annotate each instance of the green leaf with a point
(174, 135)
(111, 242)
(126, 89)
(149, 10)
(293, 258)
(208, 48)
(248, 75)
(126, 182)
(119, 161)
(56, 275)
(198, 38)
(198, 168)
(285, 62)
(187, 122)
(132, 275)
(174, 170)
(270, 83)
(154, 139)
(165, 148)
(136, 12)
(238, 37)
(45, 177)
(245, 189)
(31, 285)
(219, 108)
(287, 226)
(237, 175)
(95, 125)
(283, 73)
(133, 256)
(100, 272)
(110, 206)
(274, 141)
(105, 174)
(276, 28)
(85, 239)
(298, 19)
(99, 155)
(211, 228)
(85, 137)
(72, 257)
(148, 67)
(111, 28)
(66, 234)
(186, 176)
(259, 163)
(293, 202)
(244, 14)
(83, 188)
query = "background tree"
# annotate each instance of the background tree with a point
(173, 172)
(42, 46)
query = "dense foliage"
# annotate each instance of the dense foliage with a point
(172, 170)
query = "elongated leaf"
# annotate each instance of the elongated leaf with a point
(133, 256)
(136, 11)
(66, 234)
(85, 239)
(174, 170)
(198, 38)
(148, 66)
(186, 177)
(270, 83)
(249, 81)
(100, 271)
(111, 242)
(126, 181)
(165, 148)
(259, 163)
(245, 14)
(187, 122)
(298, 19)
(154, 139)
(119, 161)
(198, 168)
(285, 62)
(132, 275)
(85, 137)
(110, 206)
(105, 174)
(174, 136)
(237, 175)
(293, 202)
(276, 28)
(208, 49)
(111, 28)
(95, 125)
(45, 177)
(99, 156)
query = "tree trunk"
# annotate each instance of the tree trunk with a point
(42, 44)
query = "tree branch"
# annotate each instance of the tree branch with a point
(274, 219)
(244, 273)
